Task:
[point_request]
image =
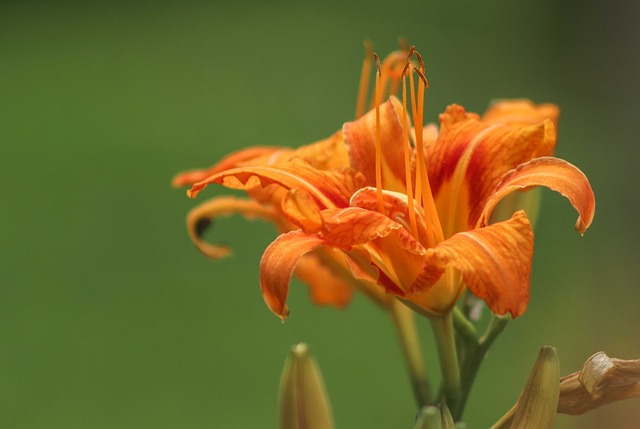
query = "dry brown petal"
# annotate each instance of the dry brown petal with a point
(601, 381)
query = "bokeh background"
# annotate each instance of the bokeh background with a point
(110, 318)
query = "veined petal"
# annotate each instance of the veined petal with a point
(329, 188)
(360, 138)
(353, 226)
(201, 216)
(495, 262)
(556, 174)
(323, 155)
(396, 207)
(230, 161)
(520, 112)
(300, 209)
(324, 286)
(354, 267)
(470, 157)
(395, 253)
(277, 265)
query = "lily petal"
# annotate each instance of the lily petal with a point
(233, 160)
(495, 262)
(353, 226)
(201, 216)
(470, 157)
(393, 251)
(555, 174)
(520, 112)
(324, 286)
(299, 208)
(323, 155)
(396, 207)
(277, 265)
(329, 188)
(360, 138)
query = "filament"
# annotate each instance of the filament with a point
(378, 143)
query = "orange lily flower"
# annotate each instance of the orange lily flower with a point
(421, 227)
(413, 212)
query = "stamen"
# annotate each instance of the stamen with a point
(378, 149)
(422, 178)
(416, 126)
(364, 79)
(407, 159)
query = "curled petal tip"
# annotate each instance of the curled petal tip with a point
(555, 174)
(285, 313)
(582, 225)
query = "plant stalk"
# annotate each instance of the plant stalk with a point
(405, 325)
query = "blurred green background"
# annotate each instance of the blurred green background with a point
(110, 318)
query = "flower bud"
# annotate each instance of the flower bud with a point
(303, 397)
(434, 417)
(539, 401)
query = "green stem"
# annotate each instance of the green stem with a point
(445, 341)
(465, 329)
(474, 359)
(405, 325)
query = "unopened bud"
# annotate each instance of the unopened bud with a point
(303, 398)
(434, 417)
(539, 401)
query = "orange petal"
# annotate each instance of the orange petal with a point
(520, 112)
(201, 216)
(495, 262)
(395, 207)
(429, 135)
(395, 253)
(277, 265)
(230, 161)
(324, 286)
(555, 174)
(329, 188)
(353, 226)
(323, 154)
(470, 157)
(360, 137)
(299, 208)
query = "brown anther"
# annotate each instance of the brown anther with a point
(378, 66)
(410, 53)
(420, 61)
(422, 77)
(405, 68)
